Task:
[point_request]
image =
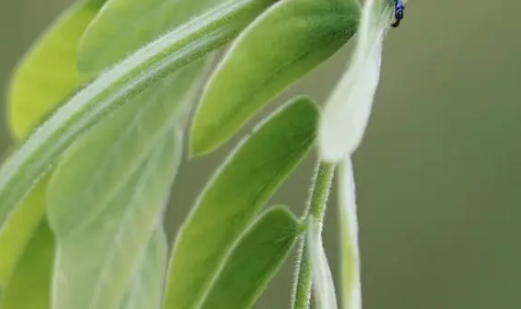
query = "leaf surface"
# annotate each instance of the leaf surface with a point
(114, 88)
(125, 25)
(281, 46)
(234, 196)
(15, 235)
(47, 74)
(146, 288)
(110, 246)
(29, 286)
(91, 171)
(254, 261)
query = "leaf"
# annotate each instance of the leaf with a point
(48, 73)
(234, 196)
(20, 173)
(323, 280)
(125, 25)
(348, 109)
(254, 261)
(29, 287)
(19, 229)
(110, 247)
(146, 289)
(283, 44)
(350, 257)
(91, 171)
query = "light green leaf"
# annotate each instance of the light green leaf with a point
(29, 287)
(44, 78)
(125, 25)
(348, 109)
(91, 171)
(48, 74)
(254, 261)
(146, 289)
(325, 295)
(20, 173)
(16, 233)
(282, 45)
(110, 247)
(234, 196)
(350, 257)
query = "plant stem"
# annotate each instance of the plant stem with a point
(316, 208)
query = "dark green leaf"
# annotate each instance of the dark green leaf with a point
(254, 261)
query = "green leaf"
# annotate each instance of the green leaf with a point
(114, 88)
(48, 73)
(347, 111)
(323, 280)
(91, 171)
(350, 249)
(254, 261)
(15, 235)
(110, 247)
(234, 196)
(29, 287)
(282, 45)
(146, 289)
(125, 25)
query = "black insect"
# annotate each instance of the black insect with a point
(399, 7)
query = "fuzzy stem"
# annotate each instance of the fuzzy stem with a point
(316, 208)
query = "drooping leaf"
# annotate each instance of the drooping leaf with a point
(234, 196)
(146, 288)
(350, 253)
(91, 171)
(111, 245)
(283, 44)
(15, 235)
(348, 109)
(19, 174)
(29, 286)
(48, 73)
(125, 25)
(325, 295)
(254, 260)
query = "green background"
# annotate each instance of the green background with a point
(438, 174)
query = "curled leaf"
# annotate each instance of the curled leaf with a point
(348, 109)
(350, 257)
(322, 279)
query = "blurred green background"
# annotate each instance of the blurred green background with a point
(439, 173)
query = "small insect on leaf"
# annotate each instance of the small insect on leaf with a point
(399, 8)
